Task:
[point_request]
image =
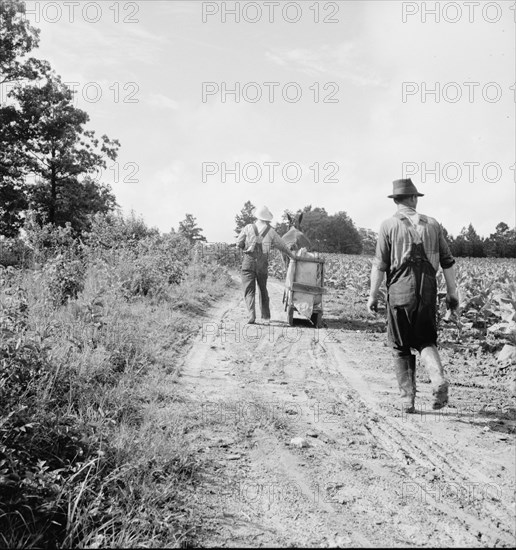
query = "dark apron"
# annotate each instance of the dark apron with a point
(411, 300)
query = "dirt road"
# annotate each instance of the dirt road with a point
(361, 473)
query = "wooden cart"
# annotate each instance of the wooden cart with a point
(304, 287)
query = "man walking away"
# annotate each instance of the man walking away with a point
(410, 249)
(257, 239)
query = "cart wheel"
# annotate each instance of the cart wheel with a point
(290, 315)
(317, 319)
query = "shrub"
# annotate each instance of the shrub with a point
(117, 231)
(152, 265)
(64, 278)
(49, 240)
(15, 252)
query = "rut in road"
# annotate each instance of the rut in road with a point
(368, 475)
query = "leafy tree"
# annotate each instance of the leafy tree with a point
(343, 236)
(315, 227)
(335, 233)
(42, 134)
(12, 203)
(502, 243)
(57, 148)
(368, 238)
(245, 217)
(77, 202)
(474, 243)
(501, 228)
(468, 243)
(13, 199)
(17, 39)
(188, 228)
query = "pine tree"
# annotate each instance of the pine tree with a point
(188, 228)
(245, 217)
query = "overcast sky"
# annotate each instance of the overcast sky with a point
(331, 101)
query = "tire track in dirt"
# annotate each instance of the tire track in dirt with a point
(407, 440)
(365, 477)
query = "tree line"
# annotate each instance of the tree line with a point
(327, 233)
(500, 244)
(337, 233)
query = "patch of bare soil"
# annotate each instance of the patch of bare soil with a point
(303, 443)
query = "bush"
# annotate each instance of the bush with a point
(15, 252)
(64, 278)
(116, 231)
(152, 265)
(48, 240)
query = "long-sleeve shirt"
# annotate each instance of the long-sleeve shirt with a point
(395, 239)
(247, 238)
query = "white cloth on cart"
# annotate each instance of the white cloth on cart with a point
(306, 273)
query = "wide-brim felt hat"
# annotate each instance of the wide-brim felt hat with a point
(401, 188)
(263, 213)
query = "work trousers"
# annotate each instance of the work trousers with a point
(411, 304)
(411, 328)
(256, 271)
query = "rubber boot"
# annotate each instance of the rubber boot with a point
(406, 374)
(432, 362)
(440, 394)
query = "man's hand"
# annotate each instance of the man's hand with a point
(452, 305)
(372, 304)
(376, 281)
(452, 301)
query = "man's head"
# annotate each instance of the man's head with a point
(406, 200)
(263, 213)
(404, 192)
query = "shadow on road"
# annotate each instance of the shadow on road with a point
(363, 325)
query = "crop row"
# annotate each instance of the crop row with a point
(487, 287)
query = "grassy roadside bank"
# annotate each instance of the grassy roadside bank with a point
(92, 447)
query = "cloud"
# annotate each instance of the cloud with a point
(342, 62)
(162, 102)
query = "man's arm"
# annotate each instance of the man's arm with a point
(281, 245)
(452, 296)
(447, 262)
(241, 239)
(376, 283)
(381, 263)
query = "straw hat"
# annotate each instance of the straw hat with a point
(263, 213)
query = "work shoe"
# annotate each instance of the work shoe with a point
(440, 396)
(406, 375)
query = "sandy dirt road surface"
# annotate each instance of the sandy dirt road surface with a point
(304, 443)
